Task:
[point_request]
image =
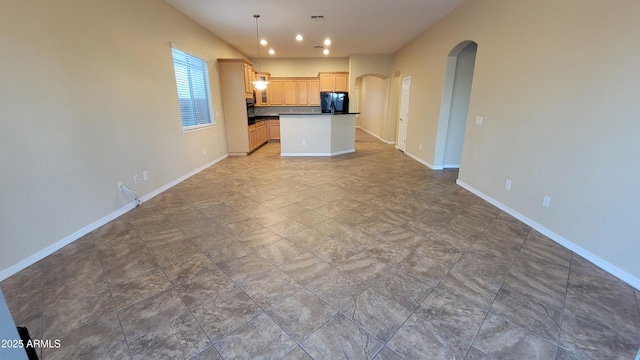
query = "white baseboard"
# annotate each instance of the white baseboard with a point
(451, 166)
(376, 136)
(32, 259)
(305, 154)
(319, 154)
(343, 152)
(596, 260)
(430, 166)
(182, 178)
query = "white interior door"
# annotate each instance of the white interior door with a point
(403, 119)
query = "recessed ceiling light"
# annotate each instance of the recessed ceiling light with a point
(299, 37)
(271, 51)
(325, 51)
(327, 42)
(263, 42)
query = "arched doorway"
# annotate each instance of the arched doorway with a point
(454, 108)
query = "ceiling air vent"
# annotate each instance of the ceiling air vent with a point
(317, 17)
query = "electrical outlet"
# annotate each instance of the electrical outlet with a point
(145, 175)
(507, 185)
(479, 120)
(136, 179)
(420, 147)
(204, 151)
(546, 201)
(304, 142)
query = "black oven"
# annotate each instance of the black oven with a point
(251, 111)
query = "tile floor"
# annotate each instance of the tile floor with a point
(367, 255)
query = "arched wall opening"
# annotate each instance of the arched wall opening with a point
(456, 94)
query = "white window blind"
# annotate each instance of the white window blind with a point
(192, 81)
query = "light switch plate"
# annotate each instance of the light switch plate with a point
(479, 120)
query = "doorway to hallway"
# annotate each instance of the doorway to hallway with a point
(456, 95)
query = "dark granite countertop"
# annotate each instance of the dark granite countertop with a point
(317, 113)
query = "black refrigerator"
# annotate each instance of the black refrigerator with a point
(339, 101)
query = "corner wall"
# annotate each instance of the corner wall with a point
(87, 99)
(556, 85)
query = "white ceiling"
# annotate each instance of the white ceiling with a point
(354, 26)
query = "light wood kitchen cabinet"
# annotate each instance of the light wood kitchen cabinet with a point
(326, 82)
(249, 76)
(338, 81)
(290, 91)
(258, 134)
(274, 129)
(276, 92)
(262, 96)
(309, 92)
(313, 94)
(302, 97)
(341, 82)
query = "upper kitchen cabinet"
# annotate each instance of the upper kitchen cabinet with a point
(290, 92)
(308, 92)
(336, 81)
(314, 92)
(302, 92)
(276, 92)
(249, 76)
(262, 96)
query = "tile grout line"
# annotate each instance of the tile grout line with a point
(115, 308)
(564, 303)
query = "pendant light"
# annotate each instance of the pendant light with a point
(258, 84)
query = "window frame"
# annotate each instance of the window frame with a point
(207, 85)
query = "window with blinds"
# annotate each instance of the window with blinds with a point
(192, 81)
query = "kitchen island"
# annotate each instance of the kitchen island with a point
(317, 134)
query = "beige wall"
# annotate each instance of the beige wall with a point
(376, 65)
(360, 65)
(88, 98)
(557, 85)
(300, 67)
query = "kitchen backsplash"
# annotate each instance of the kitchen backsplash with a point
(275, 110)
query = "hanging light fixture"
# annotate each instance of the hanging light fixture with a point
(258, 84)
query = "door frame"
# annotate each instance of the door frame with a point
(403, 129)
